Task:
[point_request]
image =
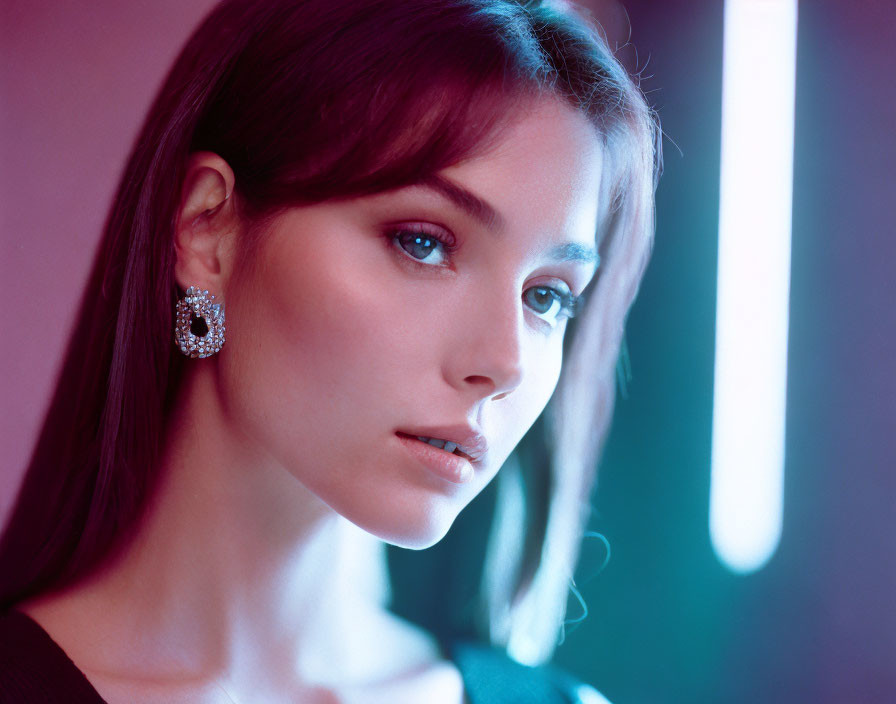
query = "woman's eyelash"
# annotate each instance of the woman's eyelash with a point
(419, 243)
(572, 304)
(559, 301)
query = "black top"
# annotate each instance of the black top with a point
(35, 670)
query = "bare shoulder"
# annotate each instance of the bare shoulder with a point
(420, 672)
(407, 666)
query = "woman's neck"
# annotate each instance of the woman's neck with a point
(237, 569)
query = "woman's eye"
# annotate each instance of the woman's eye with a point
(550, 304)
(423, 247)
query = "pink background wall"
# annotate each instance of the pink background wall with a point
(75, 81)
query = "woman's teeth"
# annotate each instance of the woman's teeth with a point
(441, 444)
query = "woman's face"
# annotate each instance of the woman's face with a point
(436, 310)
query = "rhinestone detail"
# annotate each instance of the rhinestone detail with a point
(199, 304)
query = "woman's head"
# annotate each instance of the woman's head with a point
(359, 324)
(331, 113)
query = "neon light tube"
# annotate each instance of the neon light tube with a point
(759, 67)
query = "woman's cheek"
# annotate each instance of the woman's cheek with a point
(543, 365)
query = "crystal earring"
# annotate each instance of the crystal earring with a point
(199, 326)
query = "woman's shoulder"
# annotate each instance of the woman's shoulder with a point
(492, 677)
(34, 669)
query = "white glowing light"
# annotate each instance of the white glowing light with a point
(589, 695)
(759, 70)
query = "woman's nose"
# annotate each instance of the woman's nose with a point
(486, 358)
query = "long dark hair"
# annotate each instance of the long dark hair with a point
(309, 100)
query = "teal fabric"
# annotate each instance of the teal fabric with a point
(491, 677)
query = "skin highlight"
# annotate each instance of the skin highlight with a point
(259, 566)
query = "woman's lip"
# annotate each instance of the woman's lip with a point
(445, 465)
(469, 439)
(458, 449)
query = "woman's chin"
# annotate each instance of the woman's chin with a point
(416, 530)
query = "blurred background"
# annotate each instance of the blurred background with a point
(667, 620)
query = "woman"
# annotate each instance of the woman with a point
(396, 207)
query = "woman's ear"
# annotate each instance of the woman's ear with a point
(207, 225)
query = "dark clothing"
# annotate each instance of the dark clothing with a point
(491, 677)
(34, 670)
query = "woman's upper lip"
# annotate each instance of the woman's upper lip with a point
(468, 438)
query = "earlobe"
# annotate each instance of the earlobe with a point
(206, 221)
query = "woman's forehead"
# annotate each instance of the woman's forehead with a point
(547, 164)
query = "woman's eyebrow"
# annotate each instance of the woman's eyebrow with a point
(575, 251)
(466, 200)
(485, 213)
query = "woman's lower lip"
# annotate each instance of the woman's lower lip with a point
(445, 465)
